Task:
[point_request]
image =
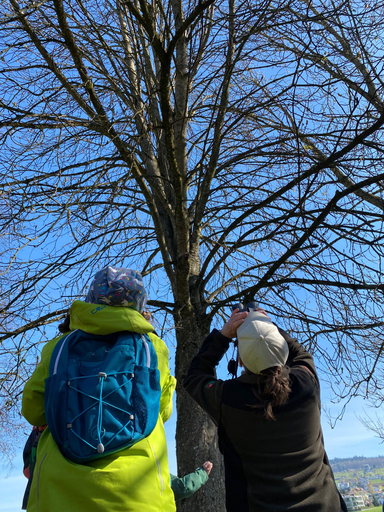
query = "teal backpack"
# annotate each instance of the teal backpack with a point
(102, 394)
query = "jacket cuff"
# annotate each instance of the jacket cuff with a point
(217, 336)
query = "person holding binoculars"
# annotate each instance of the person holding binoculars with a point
(268, 418)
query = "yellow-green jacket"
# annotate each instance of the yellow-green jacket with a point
(132, 480)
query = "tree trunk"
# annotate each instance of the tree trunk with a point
(196, 434)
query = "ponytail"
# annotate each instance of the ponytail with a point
(273, 389)
(64, 326)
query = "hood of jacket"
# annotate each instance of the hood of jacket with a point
(102, 319)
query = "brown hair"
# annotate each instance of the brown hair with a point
(147, 315)
(64, 326)
(272, 390)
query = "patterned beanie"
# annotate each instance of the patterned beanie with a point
(118, 287)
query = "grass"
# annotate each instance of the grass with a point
(354, 474)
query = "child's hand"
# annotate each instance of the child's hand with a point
(234, 321)
(207, 466)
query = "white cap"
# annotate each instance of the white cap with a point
(261, 346)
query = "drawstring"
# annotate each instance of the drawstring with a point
(100, 447)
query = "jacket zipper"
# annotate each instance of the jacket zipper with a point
(38, 483)
(162, 484)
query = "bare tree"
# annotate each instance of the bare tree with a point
(11, 423)
(226, 150)
(374, 424)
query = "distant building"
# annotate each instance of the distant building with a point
(354, 502)
(363, 482)
(343, 486)
(380, 497)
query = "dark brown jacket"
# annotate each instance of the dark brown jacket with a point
(270, 466)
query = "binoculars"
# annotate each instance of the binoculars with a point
(233, 363)
(251, 306)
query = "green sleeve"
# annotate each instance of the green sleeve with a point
(33, 394)
(166, 403)
(189, 484)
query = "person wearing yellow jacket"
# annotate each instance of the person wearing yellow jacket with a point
(135, 479)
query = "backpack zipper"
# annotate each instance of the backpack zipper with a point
(148, 355)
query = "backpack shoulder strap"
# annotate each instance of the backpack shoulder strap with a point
(61, 349)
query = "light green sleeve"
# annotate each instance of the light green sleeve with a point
(166, 403)
(32, 407)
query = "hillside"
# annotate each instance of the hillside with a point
(356, 463)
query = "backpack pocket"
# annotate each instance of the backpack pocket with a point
(146, 399)
(116, 412)
(55, 404)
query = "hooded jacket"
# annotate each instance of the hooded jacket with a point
(132, 480)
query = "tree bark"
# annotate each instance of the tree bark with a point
(196, 434)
